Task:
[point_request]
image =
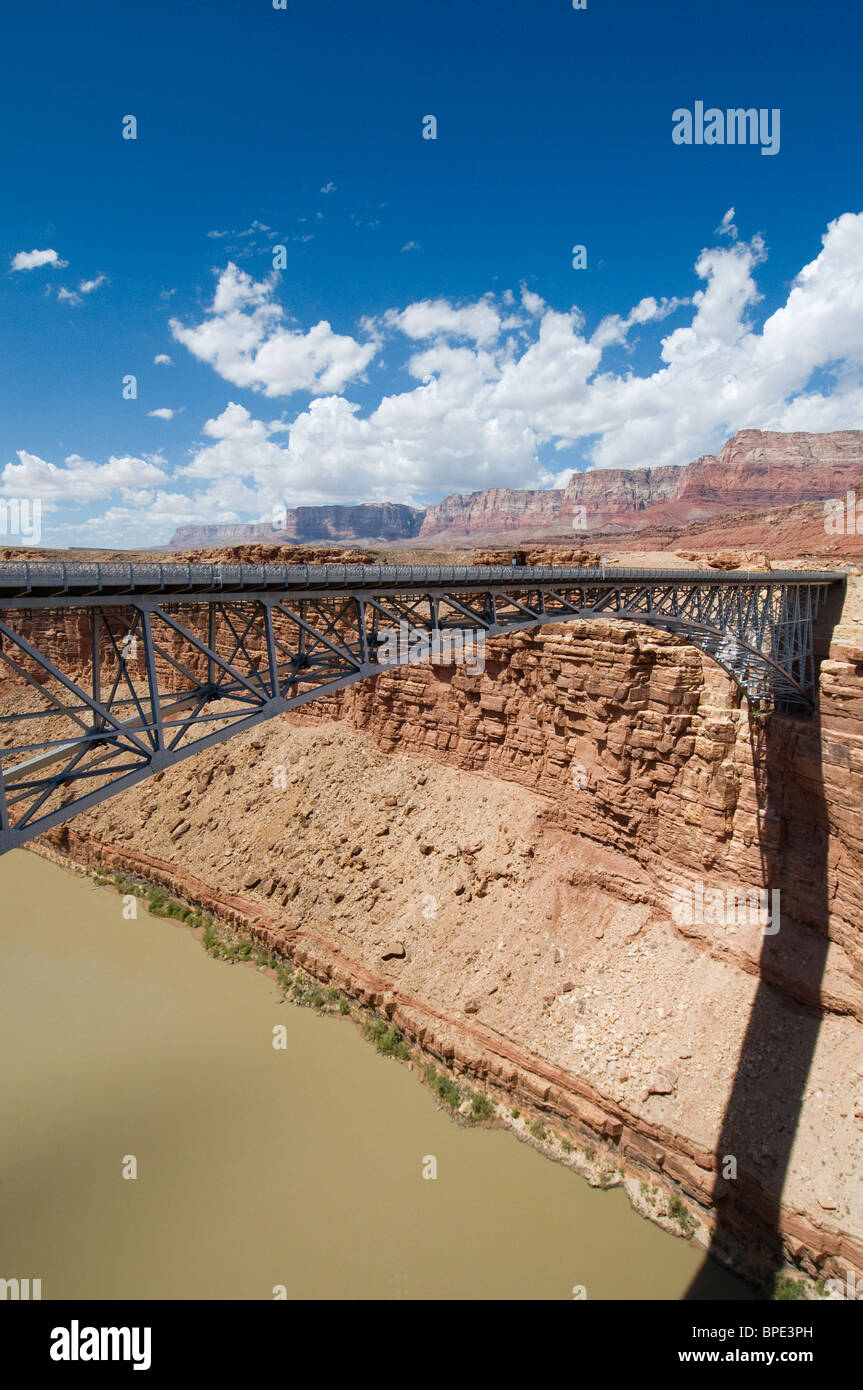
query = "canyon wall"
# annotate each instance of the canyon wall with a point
(761, 468)
(622, 489)
(662, 744)
(755, 470)
(492, 512)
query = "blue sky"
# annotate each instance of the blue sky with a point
(428, 333)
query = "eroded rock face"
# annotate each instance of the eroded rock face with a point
(763, 468)
(494, 511)
(621, 489)
(639, 744)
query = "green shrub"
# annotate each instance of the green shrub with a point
(785, 1287)
(538, 1130)
(444, 1087)
(481, 1106)
(677, 1211)
(387, 1040)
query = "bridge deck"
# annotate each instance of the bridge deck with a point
(95, 582)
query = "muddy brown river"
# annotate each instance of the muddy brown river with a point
(125, 1046)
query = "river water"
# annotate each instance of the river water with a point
(256, 1168)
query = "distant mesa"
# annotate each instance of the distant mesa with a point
(374, 523)
(755, 470)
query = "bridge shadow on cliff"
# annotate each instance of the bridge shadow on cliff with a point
(764, 1104)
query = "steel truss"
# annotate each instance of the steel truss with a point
(167, 660)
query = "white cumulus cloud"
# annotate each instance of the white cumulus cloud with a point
(32, 260)
(437, 318)
(77, 480)
(245, 340)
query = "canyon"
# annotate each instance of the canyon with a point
(490, 861)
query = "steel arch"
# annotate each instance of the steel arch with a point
(173, 659)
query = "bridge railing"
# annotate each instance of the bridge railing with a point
(138, 577)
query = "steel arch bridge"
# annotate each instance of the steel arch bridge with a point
(154, 663)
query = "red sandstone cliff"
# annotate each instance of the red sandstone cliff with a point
(755, 469)
(492, 512)
(765, 469)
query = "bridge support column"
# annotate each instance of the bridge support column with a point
(156, 729)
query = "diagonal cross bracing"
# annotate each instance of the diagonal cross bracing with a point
(171, 659)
